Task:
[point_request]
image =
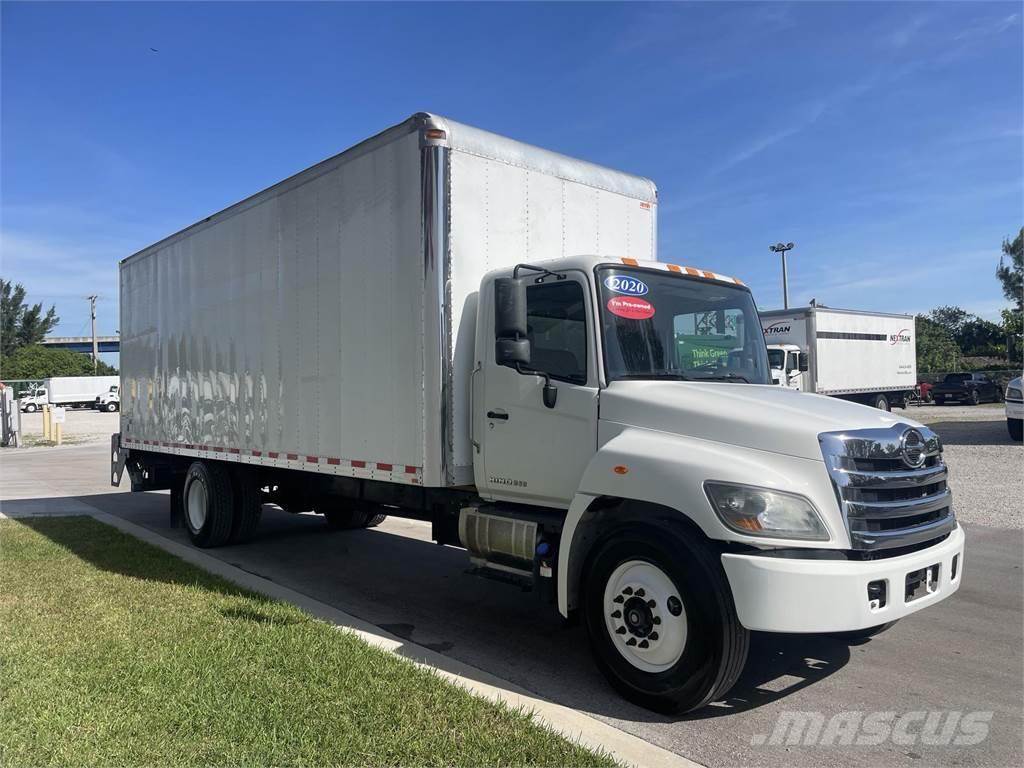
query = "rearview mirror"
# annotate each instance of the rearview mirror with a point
(511, 346)
(802, 362)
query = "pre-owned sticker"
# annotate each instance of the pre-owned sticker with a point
(631, 308)
(626, 284)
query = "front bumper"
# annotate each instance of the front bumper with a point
(775, 594)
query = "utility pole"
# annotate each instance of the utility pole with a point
(95, 345)
(781, 248)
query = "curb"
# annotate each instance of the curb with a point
(568, 722)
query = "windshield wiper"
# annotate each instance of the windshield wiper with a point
(724, 377)
(664, 375)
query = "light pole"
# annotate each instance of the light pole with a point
(781, 248)
(95, 346)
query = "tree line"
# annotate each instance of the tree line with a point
(22, 328)
(950, 338)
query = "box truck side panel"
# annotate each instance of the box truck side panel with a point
(860, 352)
(512, 203)
(290, 329)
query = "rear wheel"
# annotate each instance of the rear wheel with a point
(208, 504)
(881, 402)
(248, 505)
(356, 516)
(940, 400)
(1013, 426)
(661, 620)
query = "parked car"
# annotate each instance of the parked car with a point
(971, 388)
(1014, 409)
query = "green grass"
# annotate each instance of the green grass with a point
(113, 652)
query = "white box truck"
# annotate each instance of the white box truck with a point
(444, 324)
(867, 357)
(68, 391)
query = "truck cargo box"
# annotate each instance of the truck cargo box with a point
(850, 351)
(327, 323)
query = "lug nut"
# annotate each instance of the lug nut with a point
(640, 592)
(675, 605)
(657, 619)
(616, 614)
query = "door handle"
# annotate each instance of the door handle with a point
(499, 415)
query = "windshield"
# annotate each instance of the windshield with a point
(777, 358)
(956, 378)
(662, 325)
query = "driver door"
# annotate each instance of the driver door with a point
(531, 453)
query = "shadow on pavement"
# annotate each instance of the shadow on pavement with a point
(973, 432)
(421, 592)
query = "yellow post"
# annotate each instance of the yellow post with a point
(46, 422)
(59, 431)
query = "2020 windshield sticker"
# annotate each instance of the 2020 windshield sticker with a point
(631, 308)
(626, 284)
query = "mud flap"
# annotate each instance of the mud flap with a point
(118, 457)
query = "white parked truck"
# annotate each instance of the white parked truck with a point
(68, 391)
(448, 325)
(866, 357)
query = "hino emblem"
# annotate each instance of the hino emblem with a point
(912, 448)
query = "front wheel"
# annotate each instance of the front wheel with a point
(661, 620)
(974, 398)
(881, 402)
(1013, 426)
(30, 408)
(111, 407)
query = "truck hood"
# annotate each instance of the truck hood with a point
(763, 417)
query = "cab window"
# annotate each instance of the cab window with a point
(556, 324)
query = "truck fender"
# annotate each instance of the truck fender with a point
(666, 472)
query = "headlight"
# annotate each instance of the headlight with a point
(765, 512)
(1013, 393)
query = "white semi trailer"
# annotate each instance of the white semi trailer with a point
(69, 391)
(445, 324)
(866, 357)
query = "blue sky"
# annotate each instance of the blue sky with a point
(885, 139)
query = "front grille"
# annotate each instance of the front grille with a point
(886, 500)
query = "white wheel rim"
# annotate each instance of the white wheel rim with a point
(645, 616)
(195, 506)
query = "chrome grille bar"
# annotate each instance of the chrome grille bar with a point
(873, 471)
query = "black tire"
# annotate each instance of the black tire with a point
(1014, 427)
(111, 407)
(881, 402)
(31, 408)
(210, 527)
(940, 400)
(348, 518)
(248, 505)
(716, 643)
(973, 398)
(863, 634)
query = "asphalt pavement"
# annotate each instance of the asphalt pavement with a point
(964, 655)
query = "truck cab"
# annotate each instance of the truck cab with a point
(785, 362)
(109, 401)
(35, 401)
(639, 397)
